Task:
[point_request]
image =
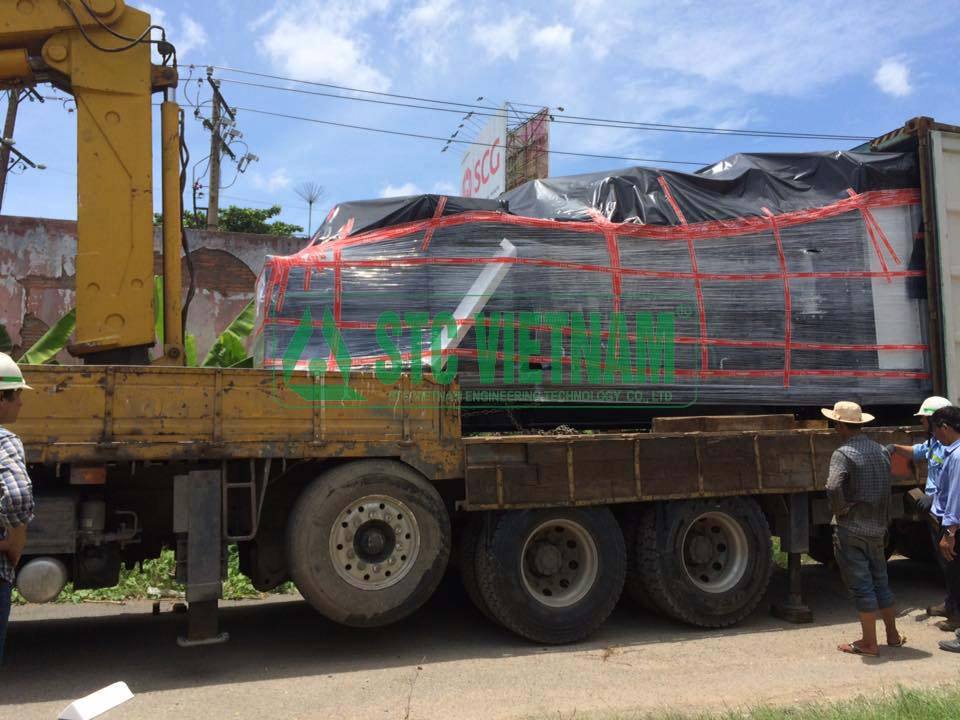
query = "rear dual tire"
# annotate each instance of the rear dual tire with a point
(552, 576)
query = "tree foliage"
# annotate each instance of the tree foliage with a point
(238, 219)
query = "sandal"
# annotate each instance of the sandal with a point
(855, 649)
(901, 643)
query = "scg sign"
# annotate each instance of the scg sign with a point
(483, 168)
(485, 171)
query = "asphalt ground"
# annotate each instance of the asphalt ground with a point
(447, 661)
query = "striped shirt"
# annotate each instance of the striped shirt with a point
(859, 486)
(16, 493)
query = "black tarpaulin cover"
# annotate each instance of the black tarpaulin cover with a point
(778, 279)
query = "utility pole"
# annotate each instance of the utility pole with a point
(217, 145)
(13, 102)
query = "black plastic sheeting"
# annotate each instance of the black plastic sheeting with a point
(363, 215)
(741, 185)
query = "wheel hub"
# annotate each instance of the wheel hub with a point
(559, 563)
(374, 542)
(547, 559)
(715, 552)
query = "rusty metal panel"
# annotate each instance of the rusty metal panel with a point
(728, 463)
(481, 485)
(604, 469)
(668, 465)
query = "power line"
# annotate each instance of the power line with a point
(566, 119)
(461, 142)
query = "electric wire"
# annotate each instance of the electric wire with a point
(584, 119)
(438, 138)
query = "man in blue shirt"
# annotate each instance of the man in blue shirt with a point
(931, 451)
(946, 500)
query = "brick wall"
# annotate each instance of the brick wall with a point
(38, 276)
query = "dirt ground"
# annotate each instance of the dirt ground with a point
(285, 661)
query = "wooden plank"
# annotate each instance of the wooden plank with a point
(786, 461)
(604, 469)
(729, 463)
(668, 465)
(723, 423)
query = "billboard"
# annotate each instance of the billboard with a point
(483, 170)
(528, 150)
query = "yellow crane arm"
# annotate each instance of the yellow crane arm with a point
(76, 46)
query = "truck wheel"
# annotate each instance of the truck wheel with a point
(705, 562)
(552, 576)
(368, 542)
(470, 538)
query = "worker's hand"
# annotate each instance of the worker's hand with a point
(948, 547)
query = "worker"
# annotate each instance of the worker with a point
(932, 452)
(946, 502)
(858, 488)
(16, 490)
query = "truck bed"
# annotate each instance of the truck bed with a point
(100, 414)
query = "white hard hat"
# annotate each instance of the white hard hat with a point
(931, 405)
(10, 376)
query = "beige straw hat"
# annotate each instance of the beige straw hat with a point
(847, 412)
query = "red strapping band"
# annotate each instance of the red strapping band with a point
(437, 214)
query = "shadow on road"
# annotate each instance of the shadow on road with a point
(57, 658)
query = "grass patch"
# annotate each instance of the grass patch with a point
(152, 579)
(903, 704)
(780, 557)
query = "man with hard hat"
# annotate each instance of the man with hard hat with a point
(16, 491)
(858, 488)
(932, 452)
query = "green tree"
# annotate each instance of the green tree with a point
(237, 219)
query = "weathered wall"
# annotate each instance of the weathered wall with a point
(37, 276)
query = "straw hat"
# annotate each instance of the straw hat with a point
(847, 412)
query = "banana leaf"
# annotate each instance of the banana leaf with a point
(190, 350)
(230, 348)
(53, 341)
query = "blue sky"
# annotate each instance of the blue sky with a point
(859, 68)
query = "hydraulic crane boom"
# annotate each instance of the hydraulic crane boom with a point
(99, 52)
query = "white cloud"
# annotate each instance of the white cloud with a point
(324, 41)
(277, 180)
(192, 35)
(720, 43)
(427, 28)
(553, 37)
(893, 77)
(444, 187)
(157, 16)
(501, 40)
(407, 188)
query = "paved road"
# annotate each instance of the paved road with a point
(285, 661)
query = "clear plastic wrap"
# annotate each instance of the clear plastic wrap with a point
(740, 304)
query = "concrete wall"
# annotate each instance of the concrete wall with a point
(38, 275)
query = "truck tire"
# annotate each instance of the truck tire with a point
(470, 538)
(554, 575)
(368, 542)
(633, 586)
(705, 562)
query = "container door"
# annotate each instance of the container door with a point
(946, 182)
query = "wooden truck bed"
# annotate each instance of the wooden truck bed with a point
(95, 414)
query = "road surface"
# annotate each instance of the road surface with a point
(285, 661)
